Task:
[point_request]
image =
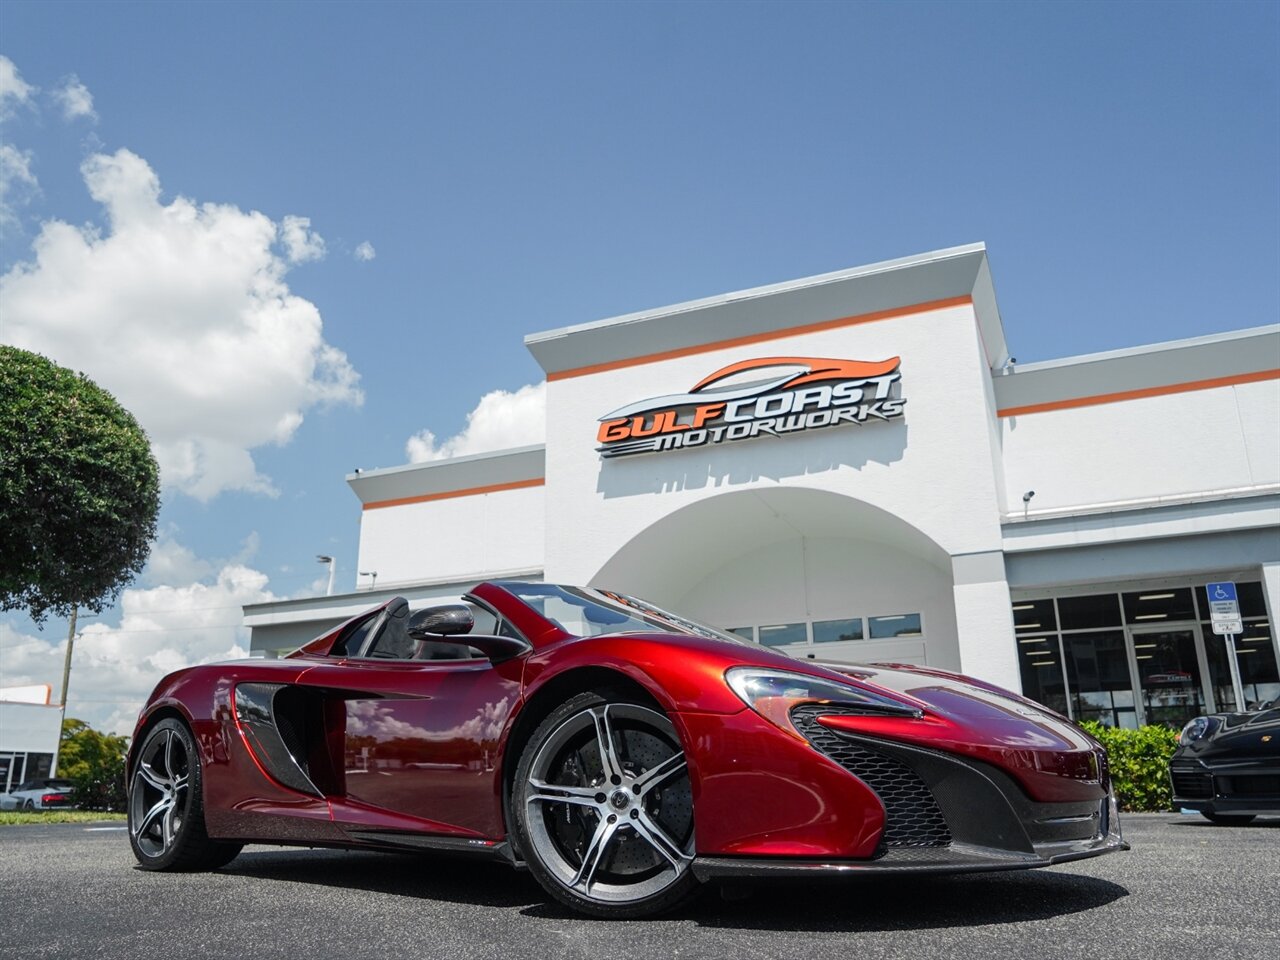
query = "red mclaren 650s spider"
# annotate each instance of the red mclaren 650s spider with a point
(623, 754)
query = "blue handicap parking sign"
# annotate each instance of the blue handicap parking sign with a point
(1224, 592)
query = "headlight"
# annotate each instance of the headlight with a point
(1197, 729)
(772, 694)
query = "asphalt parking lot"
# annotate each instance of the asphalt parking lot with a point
(1187, 889)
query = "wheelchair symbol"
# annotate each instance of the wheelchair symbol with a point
(1219, 593)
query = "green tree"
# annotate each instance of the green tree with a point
(79, 490)
(94, 762)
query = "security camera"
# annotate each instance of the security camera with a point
(1026, 497)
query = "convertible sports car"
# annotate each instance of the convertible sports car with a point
(1227, 766)
(623, 753)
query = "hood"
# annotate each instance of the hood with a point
(1242, 735)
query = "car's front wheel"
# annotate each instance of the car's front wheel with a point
(166, 805)
(603, 808)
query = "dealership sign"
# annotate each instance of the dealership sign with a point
(768, 397)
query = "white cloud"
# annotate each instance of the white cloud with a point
(365, 252)
(182, 311)
(171, 562)
(301, 243)
(500, 420)
(14, 91)
(75, 99)
(17, 182)
(162, 629)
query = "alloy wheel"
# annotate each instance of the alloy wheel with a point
(609, 804)
(160, 793)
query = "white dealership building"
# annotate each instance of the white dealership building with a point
(852, 467)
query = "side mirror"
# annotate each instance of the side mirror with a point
(448, 620)
(497, 649)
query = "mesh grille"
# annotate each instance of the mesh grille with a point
(912, 817)
(1192, 784)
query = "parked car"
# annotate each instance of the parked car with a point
(1227, 766)
(43, 794)
(623, 753)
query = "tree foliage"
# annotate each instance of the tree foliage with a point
(79, 490)
(94, 762)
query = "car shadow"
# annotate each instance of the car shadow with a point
(428, 877)
(1200, 823)
(908, 903)
(863, 905)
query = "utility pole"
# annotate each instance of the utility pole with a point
(66, 681)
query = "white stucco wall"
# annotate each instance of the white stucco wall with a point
(1183, 443)
(456, 538)
(828, 579)
(593, 506)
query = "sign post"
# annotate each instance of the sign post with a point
(1224, 611)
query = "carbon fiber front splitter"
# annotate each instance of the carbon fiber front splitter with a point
(956, 858)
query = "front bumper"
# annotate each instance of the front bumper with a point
(944, 813)
(1244, 787)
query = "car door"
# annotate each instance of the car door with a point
(419, 739)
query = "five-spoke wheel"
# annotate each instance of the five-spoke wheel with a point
(166, 819)
(604, 808)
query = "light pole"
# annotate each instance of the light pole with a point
(321, 558)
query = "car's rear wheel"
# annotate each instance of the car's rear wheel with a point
(166, 804)
(603, 808)
(1229, 819)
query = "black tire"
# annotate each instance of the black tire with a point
(1229, 819)
(166, 804)
(28, 804)
(637, 822)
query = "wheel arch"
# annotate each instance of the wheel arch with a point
(163, 711)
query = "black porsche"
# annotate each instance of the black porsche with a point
(1227, 766)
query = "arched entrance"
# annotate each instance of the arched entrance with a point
(812, 572)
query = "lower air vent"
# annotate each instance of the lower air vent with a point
(1191, 783)
(912, 817)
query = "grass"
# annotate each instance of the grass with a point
(12, 818)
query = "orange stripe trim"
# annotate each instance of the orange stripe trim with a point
(1138, 394)
(450, 494)
(762, 337)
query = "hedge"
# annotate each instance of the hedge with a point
(1139, 761)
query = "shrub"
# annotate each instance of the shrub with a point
(94, 763)
(103, 789)
(1139, 761)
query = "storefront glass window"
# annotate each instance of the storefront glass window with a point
(1156, 630)
(1098, 674)
(1040, 662)
(898, 625)
(1257, 658)
(1169, 676)
(1034, 615)
(746, 633)
(1086, 613)
(783, 633)
(1158, 606)
(832, 631)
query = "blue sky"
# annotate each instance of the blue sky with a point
(518, 167)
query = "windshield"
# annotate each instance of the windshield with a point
(594, 613)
